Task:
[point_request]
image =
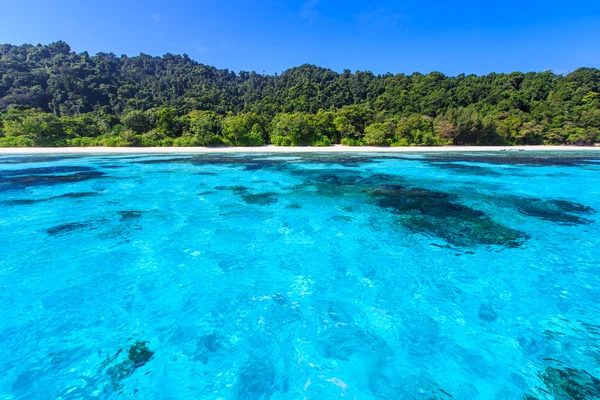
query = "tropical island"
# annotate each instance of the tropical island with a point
(51, 96)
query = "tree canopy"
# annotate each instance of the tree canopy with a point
(50, 95)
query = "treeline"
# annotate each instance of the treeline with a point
(51, 96)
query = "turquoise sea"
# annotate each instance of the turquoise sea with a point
(297, 276)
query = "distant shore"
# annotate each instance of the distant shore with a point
(276, 149)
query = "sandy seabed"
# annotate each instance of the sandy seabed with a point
(276, 149)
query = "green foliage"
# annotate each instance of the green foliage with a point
(351, 142)
(379, 134)
(205, 127)
(137, 121)
(50, 96)
(42, 129)
(243, 130)
(130, 138)
(16, 141)
(82, 125)
(415, 130)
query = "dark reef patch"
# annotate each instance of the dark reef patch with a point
(251, 162)
(130, 215)
(66, 228)
(487, 313)
(466, 231)
(262, 199)
(339, 182)
(342, 218)
(137, 356)
(257, 380)
(424, 211)
(113, 166)
(23, 182)
(177, 160)
(74, 195)
(418, 201)
(467, 169)
(537, 159)
(234, 189)
(207, 345)
(558, 211)
(28, 159)
(440, 214)
(44, 171)
(563, 382)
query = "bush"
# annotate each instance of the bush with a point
(130, 139)
(186, 141)
(281, 141)
(16, 141)
(83, 142)
(402, 142)
(323, 141)
(351, 142)
(111, 142)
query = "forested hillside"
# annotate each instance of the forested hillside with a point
(51, 96)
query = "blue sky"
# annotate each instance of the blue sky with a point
(265, 35)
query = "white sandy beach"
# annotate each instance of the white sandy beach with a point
(276, 149)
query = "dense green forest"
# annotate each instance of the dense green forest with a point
(52, 96)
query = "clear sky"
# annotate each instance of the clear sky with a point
(266, 35)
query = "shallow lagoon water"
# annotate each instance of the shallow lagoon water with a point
(253, 276)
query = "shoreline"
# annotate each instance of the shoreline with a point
(276, 149)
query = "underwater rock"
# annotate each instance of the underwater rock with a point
(205, 173)
(234, 189)
(487, 313)
(23, 182)
(572, 207)
(346, 177)
(253, 167)
(112, 166)
(138, 355)
(338, 182)
(262, 199)
(466, 231)
(129, 215)
(342, 218)
(569, 383)
(210, 342)
(257, 162)
(467, 169)
(256, 380)
(565, 160)
(169, 160)
(558, 211)
(44, 170)
(207, 344)
(66, 228)
(440, 214)
(418, 201)
(529, 345)
(76, 195)
(31, 159)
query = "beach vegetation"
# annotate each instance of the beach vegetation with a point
(53, 96)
